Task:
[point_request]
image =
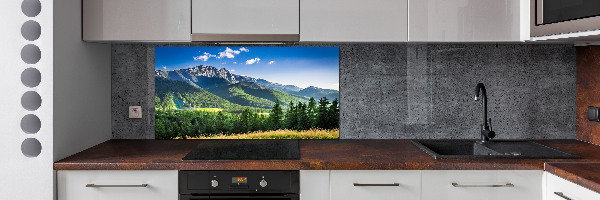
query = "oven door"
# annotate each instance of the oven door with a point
(238, 197)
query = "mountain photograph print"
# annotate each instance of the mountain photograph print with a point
(246, 93)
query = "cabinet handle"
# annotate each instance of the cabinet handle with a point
(560, 194)
(94, 185)
(505, 185)
(362, 184)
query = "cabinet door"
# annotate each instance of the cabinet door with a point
(482, 184)
(117, 185)
(354, 20)
(314, 184)
(136, 20)
(468, 20)
(375, 185)
(561, 189)
(245, 17)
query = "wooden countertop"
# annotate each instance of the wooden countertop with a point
(314, 155)
(581, 173)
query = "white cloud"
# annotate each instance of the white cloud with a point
(164, 67)
(228, 53)
(252, 61)
(271, 62)
(232, 70)
(234, 62)
(204, 57)
(223, 63)
(244, 49)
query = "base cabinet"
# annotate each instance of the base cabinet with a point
(482, 184)
(560, 189)
(117, 185)
(314, 184)
(340, 185)
(380, 185)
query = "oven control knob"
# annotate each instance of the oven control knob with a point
(263, 183)
(214, 183)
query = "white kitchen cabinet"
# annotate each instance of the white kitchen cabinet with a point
(468, 20)
(354, 20)
(379, 184)
(482, 184)
(136, 20)
(314, 184)
(243, 20)
(117, 185)
(561, 189)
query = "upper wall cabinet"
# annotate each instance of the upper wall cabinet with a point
(354, 20)
(468, 20)
(136, 20)
(245, 20)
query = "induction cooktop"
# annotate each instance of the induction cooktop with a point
(245, 150)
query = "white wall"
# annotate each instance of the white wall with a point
(24, 177)
(75, 93)
(82, 84)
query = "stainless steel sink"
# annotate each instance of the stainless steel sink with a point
(493, 149)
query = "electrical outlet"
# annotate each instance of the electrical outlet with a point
(135, 112)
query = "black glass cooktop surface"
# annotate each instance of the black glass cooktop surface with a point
(245, 150)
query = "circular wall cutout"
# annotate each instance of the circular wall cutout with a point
(31, 8)
(31, 54)
(31, 77)
(31, 124)
(31, 147)
(31, 30)
(31, 100)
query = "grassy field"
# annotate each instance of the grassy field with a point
(282, 134)
(209, 109)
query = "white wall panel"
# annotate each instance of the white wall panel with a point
(24, 177)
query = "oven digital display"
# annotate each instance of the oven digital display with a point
(239, 180)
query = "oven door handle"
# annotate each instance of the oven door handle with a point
(251, 197)
(245, 196)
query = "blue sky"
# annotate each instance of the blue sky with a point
(299, 66)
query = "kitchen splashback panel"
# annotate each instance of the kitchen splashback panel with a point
(407, 90)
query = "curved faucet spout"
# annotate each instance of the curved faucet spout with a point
(486, 133)
(481, 87)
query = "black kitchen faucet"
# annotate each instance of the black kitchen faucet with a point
(486, 129)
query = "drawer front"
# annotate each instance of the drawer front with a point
(376, 185)
(482, 184)
(161, 185)
(566, 190)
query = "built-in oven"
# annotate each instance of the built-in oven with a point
(236, 185)
(553, 17)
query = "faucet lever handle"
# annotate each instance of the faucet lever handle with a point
(491, 124)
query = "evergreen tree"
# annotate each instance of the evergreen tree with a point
(244, 121)
(276, 116)
(304, 122)
(334, 114)
(185, 124)
(221, 123)
(311, 111)
(254, 123)
(291, 118)
(168, 104)
(322, 113)
(161, 132)
(156, 103)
